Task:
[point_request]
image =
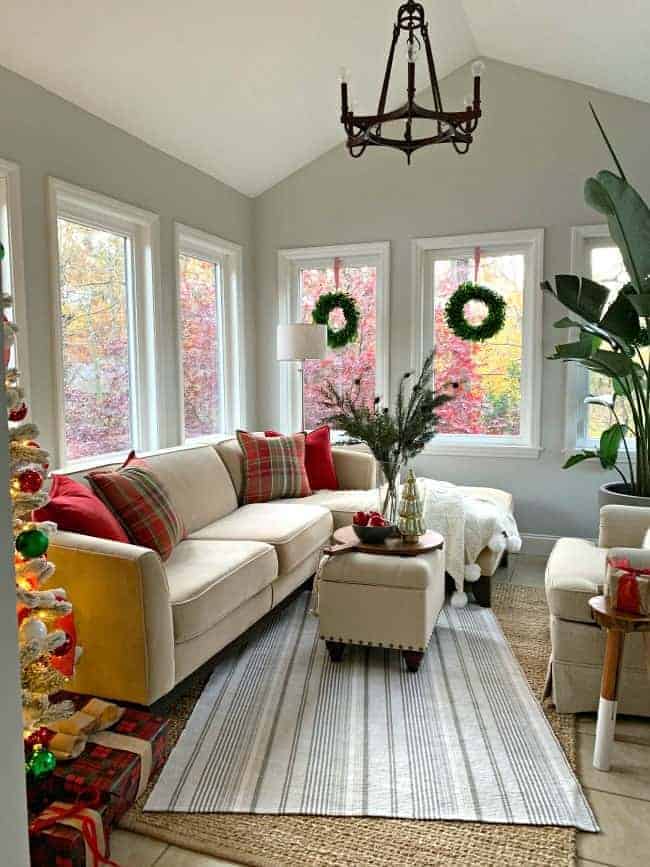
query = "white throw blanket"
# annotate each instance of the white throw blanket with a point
(468, 525)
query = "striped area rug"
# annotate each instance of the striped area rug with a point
(280, 729)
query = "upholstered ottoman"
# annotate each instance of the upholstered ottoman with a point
(382, 601)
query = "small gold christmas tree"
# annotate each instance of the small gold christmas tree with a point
(410, 523)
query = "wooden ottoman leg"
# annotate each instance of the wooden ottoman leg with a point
(336, 650)
(607, 705)
(482, 590)
(412, 658)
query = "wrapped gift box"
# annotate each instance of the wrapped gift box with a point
(111, 768)
(63, 845)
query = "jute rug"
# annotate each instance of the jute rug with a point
(294, 841)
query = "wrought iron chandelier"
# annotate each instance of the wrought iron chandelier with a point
(455, 127)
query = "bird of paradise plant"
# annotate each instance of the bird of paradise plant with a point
(613, 334)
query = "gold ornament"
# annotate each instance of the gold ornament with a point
(410, 523)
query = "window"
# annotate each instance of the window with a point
(210, 315)
(594, 255)
(360, 270)
(497, 402)
(13, 281)
(105, 269)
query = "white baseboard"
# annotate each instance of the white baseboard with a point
(537, 544)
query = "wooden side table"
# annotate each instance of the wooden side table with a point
(617, 624)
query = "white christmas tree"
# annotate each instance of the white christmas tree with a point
(46, 628)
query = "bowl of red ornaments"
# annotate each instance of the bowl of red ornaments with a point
(371, 527)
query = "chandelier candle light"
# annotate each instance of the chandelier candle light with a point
(455, 127)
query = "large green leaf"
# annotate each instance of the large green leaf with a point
(580, 295)
(622, 319)
(610, 442)
(579, 458)
(628, 217)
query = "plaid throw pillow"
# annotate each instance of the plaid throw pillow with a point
(273, 467)
(141, 504)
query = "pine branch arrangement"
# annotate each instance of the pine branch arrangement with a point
(392, 437)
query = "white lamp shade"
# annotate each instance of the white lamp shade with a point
(299, 341)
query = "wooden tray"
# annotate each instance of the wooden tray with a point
(347, 540)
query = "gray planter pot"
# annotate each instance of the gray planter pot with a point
(614, 494)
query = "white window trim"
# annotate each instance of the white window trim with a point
(531, 241)
(76, 203)
(196, 242)
(289, 262)
(576, 377)
(14, 267)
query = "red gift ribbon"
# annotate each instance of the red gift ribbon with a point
(88, 800)
(628, 597)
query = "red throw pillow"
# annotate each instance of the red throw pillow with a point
(273, 468)
(319, 460)
(73, 507)
(141, 503)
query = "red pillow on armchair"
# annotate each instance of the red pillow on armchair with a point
(318, 459)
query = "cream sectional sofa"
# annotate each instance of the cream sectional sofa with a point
(146, 625)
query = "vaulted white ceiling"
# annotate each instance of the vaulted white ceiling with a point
(247, 91)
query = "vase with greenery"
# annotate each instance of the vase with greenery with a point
(612, 332)
(394, 436)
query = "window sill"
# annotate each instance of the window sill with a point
(482, 450)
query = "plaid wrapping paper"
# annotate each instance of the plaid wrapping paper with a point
(140, 502)
(63, 846)
(274, 467)
(114, 773)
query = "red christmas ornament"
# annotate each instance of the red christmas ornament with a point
(41, 736)
(30, 481)
(65, 648)
(18, 413)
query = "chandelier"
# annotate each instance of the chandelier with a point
(455, 127)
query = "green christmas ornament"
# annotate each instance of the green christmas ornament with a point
(455, 312)
(348, 307)
(32, 543)
(42, 763)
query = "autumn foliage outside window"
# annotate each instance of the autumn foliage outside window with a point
(94, 267)
(200, 310)
(357, 360)
(488, 402)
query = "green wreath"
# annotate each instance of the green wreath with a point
(455, 312)
(336, 338)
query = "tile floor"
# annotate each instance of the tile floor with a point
(620, 798)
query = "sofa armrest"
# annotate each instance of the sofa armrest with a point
(623, 526)
(355, 469)
(123, 615)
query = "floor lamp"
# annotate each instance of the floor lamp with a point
(299, 342)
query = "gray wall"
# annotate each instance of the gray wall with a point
(48, 136)
(535, 146)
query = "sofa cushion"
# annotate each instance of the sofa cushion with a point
(294, 531)
(342, 504)
(210, 579)
(198, 483)
(575, 572)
